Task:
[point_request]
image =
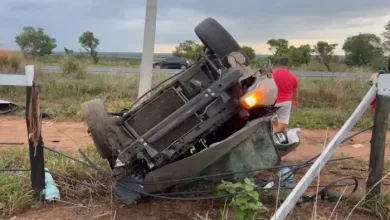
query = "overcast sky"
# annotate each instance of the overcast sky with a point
(119, 24)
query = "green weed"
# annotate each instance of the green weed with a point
(245, 199)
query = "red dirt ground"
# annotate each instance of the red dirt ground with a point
(65, 136)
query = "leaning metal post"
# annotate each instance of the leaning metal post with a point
(315, 169)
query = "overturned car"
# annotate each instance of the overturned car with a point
(215, 116)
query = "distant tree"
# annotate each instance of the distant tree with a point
(90, 43)
(362, 49)
(324, 53)
(68, 51)
(278, 48)
(386, 36)
(299, 55)
(249, 51)
(188, 49)
(34, 42)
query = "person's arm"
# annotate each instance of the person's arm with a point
(295, 98)
(295, 93)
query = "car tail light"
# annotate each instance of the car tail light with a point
(254, 97)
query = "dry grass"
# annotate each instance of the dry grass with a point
(135, 62)
(11, 62)
(329, 102)
(57, 60)
(315, 66)
(72, 67)
(323, 102)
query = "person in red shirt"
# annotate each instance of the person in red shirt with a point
(287, 85)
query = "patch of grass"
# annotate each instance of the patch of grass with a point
(11, 62)
(72, 67)
(329, 102)
(315, 66)
(322, 118)
(63, 95)
(104, 61)
(16, 193)
(378, 207)
(135, 62)
(323, 102)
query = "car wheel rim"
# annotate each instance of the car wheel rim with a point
(183, 67)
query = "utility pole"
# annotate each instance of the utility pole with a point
(146, 71)
(378, 137)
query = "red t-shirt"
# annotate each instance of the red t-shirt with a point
(286, 83)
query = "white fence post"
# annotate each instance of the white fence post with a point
(18, 80)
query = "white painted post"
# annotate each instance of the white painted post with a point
(146, 71)
(18, 80)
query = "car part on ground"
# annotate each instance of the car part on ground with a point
(7, 107)
(197, 116)
(287, 141)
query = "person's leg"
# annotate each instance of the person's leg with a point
(283, 116)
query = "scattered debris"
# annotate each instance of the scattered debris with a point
(51, 191)
(358, 146)
(45, 115)
(7, 107)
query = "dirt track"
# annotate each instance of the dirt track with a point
(67, 136)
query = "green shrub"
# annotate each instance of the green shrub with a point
(16, 63)
(73, 67)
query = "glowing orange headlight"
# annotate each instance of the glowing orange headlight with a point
(252, 99)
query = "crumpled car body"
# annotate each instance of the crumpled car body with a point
(214, 116)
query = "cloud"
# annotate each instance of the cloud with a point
(119, 25)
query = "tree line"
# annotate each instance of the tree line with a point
(34, 42)
(363, 49)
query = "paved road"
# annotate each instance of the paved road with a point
(312, 75)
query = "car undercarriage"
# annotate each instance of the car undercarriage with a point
(202, 120)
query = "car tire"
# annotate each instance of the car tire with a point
(216, 38)
(96, 117)
(183, 67)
